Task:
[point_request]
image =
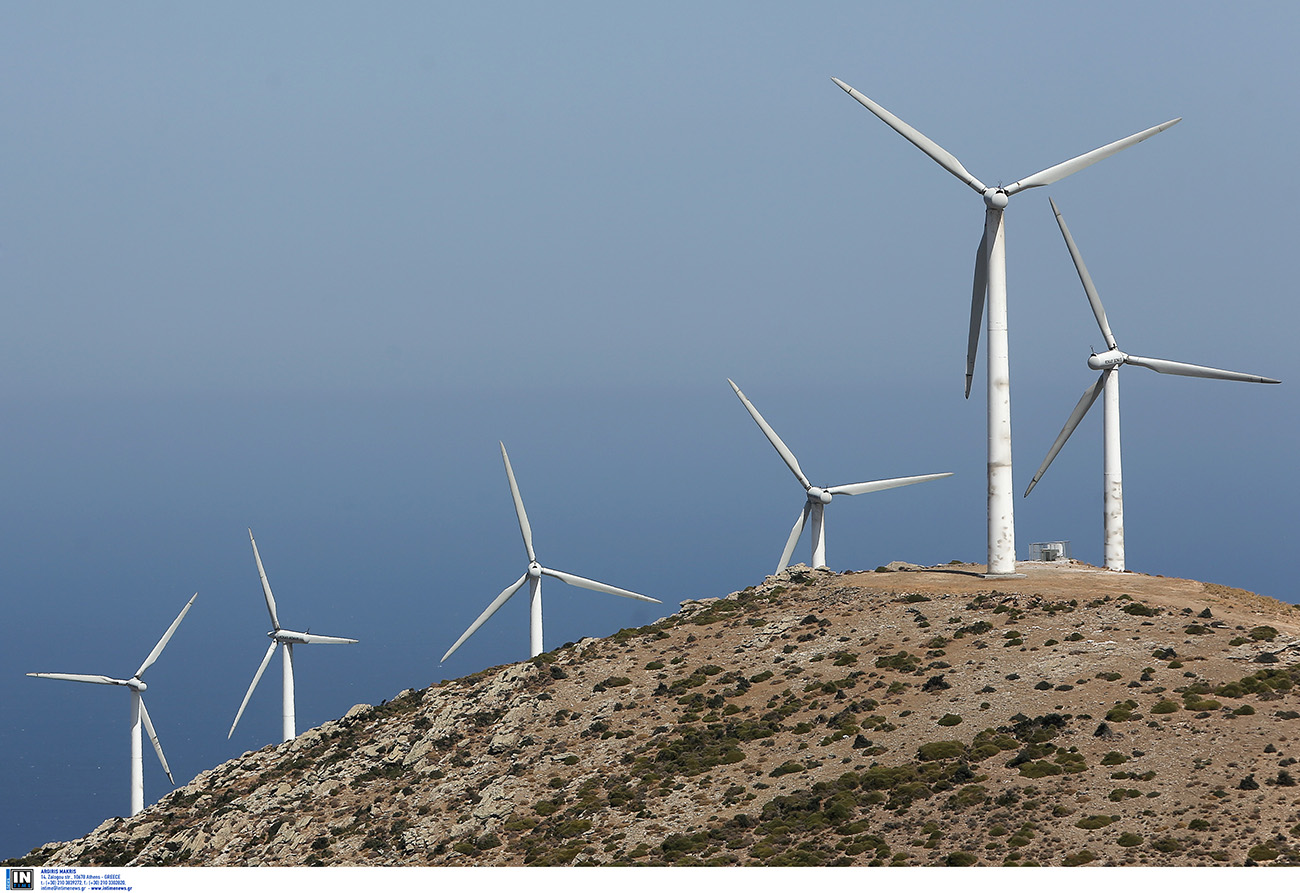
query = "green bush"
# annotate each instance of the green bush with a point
(952, 719)
(1113, 758)
(787, 768)
(1262, 853)
(1165, 707)
(1093, 822)
(1129, 839)
(962, 859)
(900, 661)
(1137, 609)
(1040, 769)
(1263, 634)
(1244, 710)
(1083, 857)
(940, 750)
(1122, 712)
(1167, 845)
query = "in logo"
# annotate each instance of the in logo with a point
(20, 878)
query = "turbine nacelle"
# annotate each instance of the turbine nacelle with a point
(996, 199)
(1107, 359)
(289, 637)
(136, 685)
(817, 494)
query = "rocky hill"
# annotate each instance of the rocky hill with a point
(909, 716)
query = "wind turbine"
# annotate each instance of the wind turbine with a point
(287, 638)
(1109, 362)
(534, 575)
(138, 712)
(991, 279)
(819, 497)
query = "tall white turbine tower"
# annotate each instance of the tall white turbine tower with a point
(1109, 363)
(534, 575)
(138, 712)
(287, 638)
(819, 497)
(991, 279)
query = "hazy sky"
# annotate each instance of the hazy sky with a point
(300, 268)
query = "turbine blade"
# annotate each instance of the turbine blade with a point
(978, 294)
(1170, 367)
(153, 736)
(309, 639)
(575, 580)
(266, 587)
(772, 437)
(889, 484)
(1080, 410)
(945, 159)
(482, 618)
(524, 527)
(1089, 289)
(793, 540)
(261, 668)
(1078, 163)
(162, 643)
(76, 677)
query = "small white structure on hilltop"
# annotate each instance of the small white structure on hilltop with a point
(1053, 551)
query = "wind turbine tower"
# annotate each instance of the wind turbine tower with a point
(139, 715)
(534, 575)
(991, 280)
(1109, 363)
(287, 638)
(818, 497)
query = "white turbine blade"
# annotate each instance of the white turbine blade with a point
(946, 159)
(1170, 367)
(794, 539)
(309, 639)
(524, 527)
(153, 736)
(888, 484)
(1080, 410)
(482, 618)
(1089, 289)
(575, 580)
(76, 677)
(978, 294)
(261, 668)
(266, 587)
(1065, 168)
(162, 643)
(771, 435)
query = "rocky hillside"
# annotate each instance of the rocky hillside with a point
(910, 716)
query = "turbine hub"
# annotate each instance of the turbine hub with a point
(996, 198)
(817, 494)
(136, 684)
(534, 570)
(1107, 359)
